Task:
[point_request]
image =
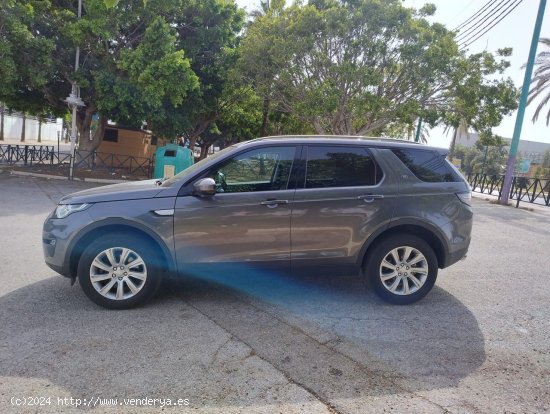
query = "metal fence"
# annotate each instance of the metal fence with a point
(530, 190)
(28, 155)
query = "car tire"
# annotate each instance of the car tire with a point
(120, 271)
(402, 268)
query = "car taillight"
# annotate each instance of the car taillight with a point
(465, 197)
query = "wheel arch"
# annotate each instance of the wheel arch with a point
(425, 231)
(110, 226)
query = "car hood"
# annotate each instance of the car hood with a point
(134, 190)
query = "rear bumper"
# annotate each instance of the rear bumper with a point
(455, 256)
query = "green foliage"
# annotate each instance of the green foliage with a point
(363, 67)
(540, 83)
(543, 170)
(475, 97)
(490, 160)
(26, 60)
(139, 60)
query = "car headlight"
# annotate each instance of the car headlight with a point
(63, 210)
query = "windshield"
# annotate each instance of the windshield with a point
(195, 167)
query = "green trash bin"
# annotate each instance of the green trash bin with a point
(172, 159)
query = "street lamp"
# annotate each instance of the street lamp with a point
(74, 101)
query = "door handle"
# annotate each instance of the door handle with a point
(369, 198)
(273, 203)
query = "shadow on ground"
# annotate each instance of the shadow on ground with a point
(331, 336)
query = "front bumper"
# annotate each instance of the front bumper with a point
(57, 235)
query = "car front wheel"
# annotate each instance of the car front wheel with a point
(402, 268)
(119, 272)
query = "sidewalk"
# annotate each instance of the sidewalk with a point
(524, 205)
(9, 170)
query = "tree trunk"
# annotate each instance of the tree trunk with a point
(23, 127)
(39, 129)
(318, 128)
(194, 135)
(452, 147)
(84, 122)
(204, 151)
(265, 116)
(2, 108)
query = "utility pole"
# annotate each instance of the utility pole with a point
(507, 184)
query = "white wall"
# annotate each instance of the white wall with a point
(12, 129)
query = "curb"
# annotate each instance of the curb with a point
(523, 205)
(58, 177)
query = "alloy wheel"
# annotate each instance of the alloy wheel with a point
(404, 270)
(118, 273)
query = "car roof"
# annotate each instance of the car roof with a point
(345, 139)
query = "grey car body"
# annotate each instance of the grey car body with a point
(288, 228)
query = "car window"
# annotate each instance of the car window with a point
(427, 165)
(340, 167)
(263, 169)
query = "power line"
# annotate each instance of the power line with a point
(468, 42)
(488, 4)
(464, 9)
(490, 13)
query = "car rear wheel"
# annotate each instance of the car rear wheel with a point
(119, 271)
(402, 268)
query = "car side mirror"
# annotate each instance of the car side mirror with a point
(205, 187)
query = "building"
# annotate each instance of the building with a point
(128, 141)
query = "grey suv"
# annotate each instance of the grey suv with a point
(390, 210)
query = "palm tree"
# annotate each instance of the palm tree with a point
(540, 84)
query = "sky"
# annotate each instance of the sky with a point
(515, 31)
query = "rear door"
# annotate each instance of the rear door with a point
(341, 198)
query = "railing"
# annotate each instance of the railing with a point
(531, 190)
(27, 154)
(114, 162)
(92, 160)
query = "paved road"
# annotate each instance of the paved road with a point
(480, 342)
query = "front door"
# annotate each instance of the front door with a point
(247, 220)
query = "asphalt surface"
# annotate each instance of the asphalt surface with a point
(478, 343)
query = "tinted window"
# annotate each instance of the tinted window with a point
(429, 166)
(263, 169)
(340, 167)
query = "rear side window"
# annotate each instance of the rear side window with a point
(340, 167)
(426, 165)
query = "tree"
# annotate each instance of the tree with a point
(26, 60)
(2, 111)
(540, 83)
(208, 32)
(23, 126)
(347, 67)
(139, 60)
(466, 156)
(268, 9)
(362, 67)
(475, 100)
(543, 170)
